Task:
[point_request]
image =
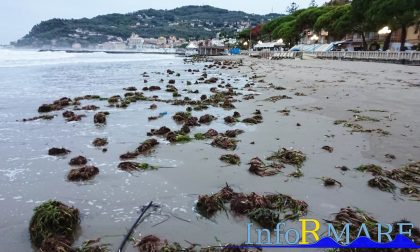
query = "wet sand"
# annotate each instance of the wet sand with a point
(331, 88)
(109, 204)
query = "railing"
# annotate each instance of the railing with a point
(371, 56)
(275, 55)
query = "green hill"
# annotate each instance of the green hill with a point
(190, 22)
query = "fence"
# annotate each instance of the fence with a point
(274, 55)
(395, 57)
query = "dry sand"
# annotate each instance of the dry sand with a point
(339, 86)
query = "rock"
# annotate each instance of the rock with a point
(58, 151)
(100, 118)
(100, 142)
(171, 81)
(83, 173)
(153, 106)
(203, 97)
(79, 160)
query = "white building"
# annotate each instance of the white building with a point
(135, 41)
(76, 46)
(113, 45)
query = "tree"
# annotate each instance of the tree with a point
(362, 21)
(288, 32)
(292, 8)
(307, 18)
(269, 27)
(398, 14)
(337, 21)
(313, 3)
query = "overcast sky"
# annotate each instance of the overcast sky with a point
(18, 16)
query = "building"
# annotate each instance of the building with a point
(413, 35)
(76, 46)
(113, 45)
(135, 42)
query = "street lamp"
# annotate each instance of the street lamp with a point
(314, 38)
(384, 31)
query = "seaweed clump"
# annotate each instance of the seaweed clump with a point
(232, 159)
(407, 174)
(411, 191)
(371, 168)
(58, 151)
(224, 143)
(53, 221)
(144, 148)
(258, 167)
(100, 142)
(328, 182)
(356, 218)
(382, 184)
(134, 166)
(93, 246)
(291, 157)
(79, 160)
(209, 205)
(100, 118)
(206, 118)
(147, 146)
(266, 210)
(83, 173)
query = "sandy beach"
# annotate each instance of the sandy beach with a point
(303, 105)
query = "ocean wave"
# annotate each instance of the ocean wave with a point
(27, 58)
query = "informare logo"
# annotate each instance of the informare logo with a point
(365, 235)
